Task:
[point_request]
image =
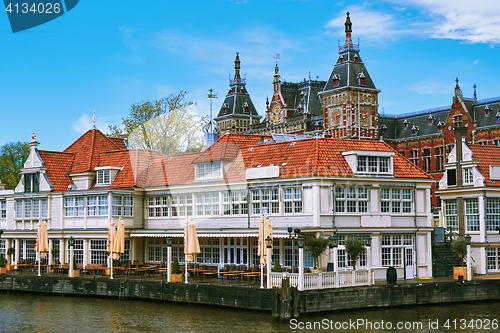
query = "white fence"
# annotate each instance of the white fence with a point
(323, 280)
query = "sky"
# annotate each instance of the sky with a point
(103, 56)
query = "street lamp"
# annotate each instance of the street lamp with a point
(467, 239)
(295, 231)
(368, 243)
(169, 259)
(335, 244)
(71, 243)
(300, 243)
(269, 244)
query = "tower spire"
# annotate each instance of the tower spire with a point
(348, 30)
(237, 67)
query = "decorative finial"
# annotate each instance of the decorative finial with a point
(277, 57)
(267, 102)
(237, 67)
(474, 86)
(33, 137)
(348, 30)
(456, 80)
(124, 130)
(94, 119)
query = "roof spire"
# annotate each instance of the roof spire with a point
(237, 67)
(94, 119)
(475, 95)
(348, 30)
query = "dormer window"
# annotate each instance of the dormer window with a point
(373, 164)
(103, 177)
(468, 176)
(440, 125)
(209, 170)
(336, 79)
(356, 58)
(414, 130)
(341, 59)
(242, 91)
(406, 123)
(226, 106)
(431, 119)
(245, 107)
(361, 79)
(487, 110)
(384, 129)
(31, 182)
(498, 116)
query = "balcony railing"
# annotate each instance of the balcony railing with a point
(323, 280)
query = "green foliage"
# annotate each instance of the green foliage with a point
(277, 267)
(54, 251)
(169, 125)
(175, 267)
(12, 158)
(459, 247)
(317, 246)
(11, 251)
(75, 264)
(354, 247)
(2, 261)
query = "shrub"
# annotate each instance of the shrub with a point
(459, 247)
(2, 261)
(277, 267)
(317, 246)
(175, 267)
(354, 247)
(75, 264)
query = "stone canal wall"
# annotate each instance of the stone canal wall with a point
(284, 303)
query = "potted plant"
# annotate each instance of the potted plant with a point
(106, 270)
(317, 246)
(10, 253)
(3, 269)
(176, 271)
(459, 248)
(277, 267)
(76, 271)
(354, 247)
(54, 252)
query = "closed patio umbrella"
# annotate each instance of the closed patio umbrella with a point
(261, 238)
(44, 240)
(268, 232)
(119, 240)
(110, 243)
(191, 244)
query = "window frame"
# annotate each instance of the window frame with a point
(347, 199)
(396, 203)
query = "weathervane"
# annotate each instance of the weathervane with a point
(94, 119)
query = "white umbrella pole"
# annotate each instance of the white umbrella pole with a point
(38, 244)
(262, 255)
(186, 253)
(112, 243)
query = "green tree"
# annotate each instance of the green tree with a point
(317, 246)
(12, 158)
(354, 247)
(169, 125)
(459, 247)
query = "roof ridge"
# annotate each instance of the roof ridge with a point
(92, 141)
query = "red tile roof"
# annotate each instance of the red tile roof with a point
(87, 149)
(486, 156)
(58, 166)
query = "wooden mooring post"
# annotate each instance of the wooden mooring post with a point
(285, 302)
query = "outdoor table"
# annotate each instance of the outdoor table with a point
(209, 273)
(233, 273)
(96, 270)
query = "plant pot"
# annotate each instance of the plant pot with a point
(75, 273)
(459, 271)
(3, 270)
(391, 275)
(176, 277)
(106, 271)
(9, 267)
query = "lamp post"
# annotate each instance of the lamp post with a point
(295, 231)
(368, 243)
(469, 270)
(169, 259)
(71, 243)
(269, 244)
(300, 242)
(335, 244)
(330, 246)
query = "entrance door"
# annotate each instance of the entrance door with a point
(236, 251)
(408, 255)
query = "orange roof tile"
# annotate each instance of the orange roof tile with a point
(486, 156)
(58, 167)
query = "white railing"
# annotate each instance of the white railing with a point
(323, 280)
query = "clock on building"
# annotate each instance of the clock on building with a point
(336, 116)
(364, 115)
(277, 113)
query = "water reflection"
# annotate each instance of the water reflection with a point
(24, 312)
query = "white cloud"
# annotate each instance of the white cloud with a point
(477, 22)
(431, 87)
(84, 123)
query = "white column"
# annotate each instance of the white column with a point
(301, 269)
(369, 263)
(71, 268)
(169, 264)
(16, 254)
(482, 220)
(7, 246)
(269, 267)
(336, 265)
(85, 252)
(62, 251)
(316, 208)
(50, 251)
(469, 270)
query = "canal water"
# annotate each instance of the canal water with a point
(25, 312)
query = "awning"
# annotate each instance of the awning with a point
(205, 234)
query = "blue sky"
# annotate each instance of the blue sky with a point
(105, 55)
